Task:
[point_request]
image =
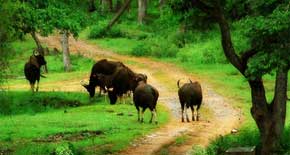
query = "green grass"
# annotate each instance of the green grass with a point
(39, 116)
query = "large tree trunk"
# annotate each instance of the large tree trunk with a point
(118, 15)
(270, 118)
(142, 7)
(40, 49)
(65, 49)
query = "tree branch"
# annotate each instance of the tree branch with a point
(117, 16)
(247, 55)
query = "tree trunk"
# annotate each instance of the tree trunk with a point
(118, 15)
(142, 7)
(39, 48)
(270, 118)
(161, 3)
(65, 49)
(92, 6)
(107, 5)
(118, 5)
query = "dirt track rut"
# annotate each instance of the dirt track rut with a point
(217, 116)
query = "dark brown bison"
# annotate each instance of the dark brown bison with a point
(190, 95)
(32, 70)
(145, 96)
(100, 68)
(124, 80)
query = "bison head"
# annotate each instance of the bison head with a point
(40, 60)
(89, 88)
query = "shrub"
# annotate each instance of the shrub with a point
(162, 48)
(98, 31)
(141, 50)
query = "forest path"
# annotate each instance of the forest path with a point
(217, 116)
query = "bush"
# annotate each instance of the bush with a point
(141, 50)
(98, 31)
(162, 48)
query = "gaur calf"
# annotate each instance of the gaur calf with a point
(145, 96)
(190, 95)
(32, 70)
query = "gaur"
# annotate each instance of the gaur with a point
(190, 95)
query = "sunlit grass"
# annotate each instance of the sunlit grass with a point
(118, 123)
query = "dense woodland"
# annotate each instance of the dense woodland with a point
(249, 41)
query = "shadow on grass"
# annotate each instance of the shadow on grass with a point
(24, 102)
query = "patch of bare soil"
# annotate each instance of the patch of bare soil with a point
(218, 117)
(71, 136)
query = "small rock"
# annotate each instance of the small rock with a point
(233, 131)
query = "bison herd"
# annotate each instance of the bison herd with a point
(116, 79)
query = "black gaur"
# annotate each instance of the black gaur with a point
(190, 95)
(32, 70)
(146, 96)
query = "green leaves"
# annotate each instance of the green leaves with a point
(270, 35)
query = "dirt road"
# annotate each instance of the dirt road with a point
(217, 116)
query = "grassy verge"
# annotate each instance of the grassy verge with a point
(45, 122)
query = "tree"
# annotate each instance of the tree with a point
(118, 15)
(30, 18)
(68, 21)
(91, 6)
(268, 28)
(142, 8)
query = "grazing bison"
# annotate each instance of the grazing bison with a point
(32, 70)
(190, 95)
(124, 80)
(145, 96)
(100, 69)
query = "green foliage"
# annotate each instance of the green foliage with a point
(245, 138)
(141, 50)
(270, 36)
(98, 31)
(64, 150)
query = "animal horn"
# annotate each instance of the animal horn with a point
(178, 83)
(190, 81)
(83, 83)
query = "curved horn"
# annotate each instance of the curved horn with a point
(82, 82)
(178, 83)
(190, 81)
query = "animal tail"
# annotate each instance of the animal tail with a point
(178, 83)
(42, 76)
